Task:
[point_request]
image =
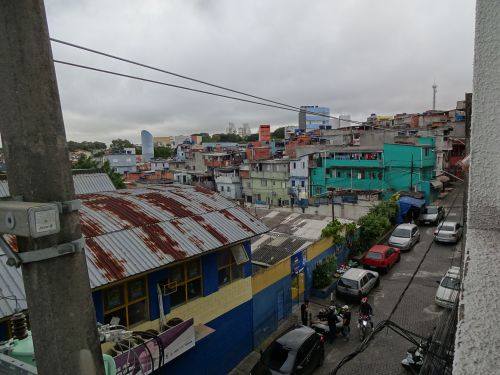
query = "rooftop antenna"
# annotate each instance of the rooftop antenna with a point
(434, 91)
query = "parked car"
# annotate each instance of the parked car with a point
(381, 257)
(448, 289)
(448, 231)
(356, 282)
(300, 350)
(431, 215)
(404, 237)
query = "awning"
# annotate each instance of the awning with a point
(436, 184)
(406, 204)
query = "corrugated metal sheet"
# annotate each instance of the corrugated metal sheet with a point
(272, 247)
(133, 231)
(92, 183)
(85, 183)
(11, 287)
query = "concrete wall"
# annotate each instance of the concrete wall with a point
(477, 342)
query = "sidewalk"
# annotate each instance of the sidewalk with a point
(250, 360)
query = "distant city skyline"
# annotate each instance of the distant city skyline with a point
(360, 57)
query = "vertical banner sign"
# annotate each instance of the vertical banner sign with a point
(297, 262)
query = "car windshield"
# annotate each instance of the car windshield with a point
(373, 255)
(447, 228)
(450, 283)
(431, 210)
(275, 356)
(401, 232)
(347, 283)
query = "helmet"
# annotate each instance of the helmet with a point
(364, 300)
(331, 308)
(345, 307)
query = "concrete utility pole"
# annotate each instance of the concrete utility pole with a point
(61, 310)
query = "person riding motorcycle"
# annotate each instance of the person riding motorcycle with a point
(365, 309)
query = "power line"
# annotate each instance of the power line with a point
(170, 85)
(129, 61)
(297, 109)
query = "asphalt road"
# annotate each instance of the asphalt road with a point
(417, 311)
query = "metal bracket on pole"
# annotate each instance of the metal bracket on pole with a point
(15, 259)
(69, 206)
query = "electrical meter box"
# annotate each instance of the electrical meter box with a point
(29, 219)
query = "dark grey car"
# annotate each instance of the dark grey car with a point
(431, 215)
(299, 351)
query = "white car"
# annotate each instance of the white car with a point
(404, 237)
(448, 231)
(448, 289)
(356, 283)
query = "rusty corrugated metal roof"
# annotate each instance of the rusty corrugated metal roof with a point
(128, 232)
(133, 231)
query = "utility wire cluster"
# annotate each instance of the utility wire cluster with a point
(265, 102)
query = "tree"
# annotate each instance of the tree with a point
(279, 133)
(251, 138)
(86, 162)
(119, 144)
(116, 178)
(226, 138)
(86, 145)
(164, 152)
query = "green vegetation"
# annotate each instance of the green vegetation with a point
(119, 144)
(88, 162)
(375, 223)
(278, 133)
(323, 273)
(163, 152)
(87, 146)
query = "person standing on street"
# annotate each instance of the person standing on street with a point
(332, 324)
(304, 311)
(346, 326)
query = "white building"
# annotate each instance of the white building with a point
(159, 165)
(299, 177)
(228, 183)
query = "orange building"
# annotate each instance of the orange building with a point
(264, 133)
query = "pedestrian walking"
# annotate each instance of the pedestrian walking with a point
(332, 324)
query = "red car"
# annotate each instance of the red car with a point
(381, 257)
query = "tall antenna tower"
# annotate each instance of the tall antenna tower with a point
(434, 91)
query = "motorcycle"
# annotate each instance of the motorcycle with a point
(414, 358)
(322, 325)
(364, 326)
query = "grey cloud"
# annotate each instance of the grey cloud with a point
(357, 57)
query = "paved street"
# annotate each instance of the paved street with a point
(417, 311)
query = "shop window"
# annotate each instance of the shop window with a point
(228, 270)
(127, 301)
(186, 281)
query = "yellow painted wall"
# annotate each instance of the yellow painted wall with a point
(318, 248)
(270, 275)
(205, 309)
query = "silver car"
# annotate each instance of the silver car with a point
(356, 282)
(448, 231)
(431, 215)
(404, 237)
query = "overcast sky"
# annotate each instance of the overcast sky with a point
(355, 56)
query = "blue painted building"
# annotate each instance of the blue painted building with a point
(312, 117)
(184, 246)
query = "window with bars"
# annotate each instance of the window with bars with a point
(227, 268)
(127, 301)
(188, 281)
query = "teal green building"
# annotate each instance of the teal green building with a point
(394, 167)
